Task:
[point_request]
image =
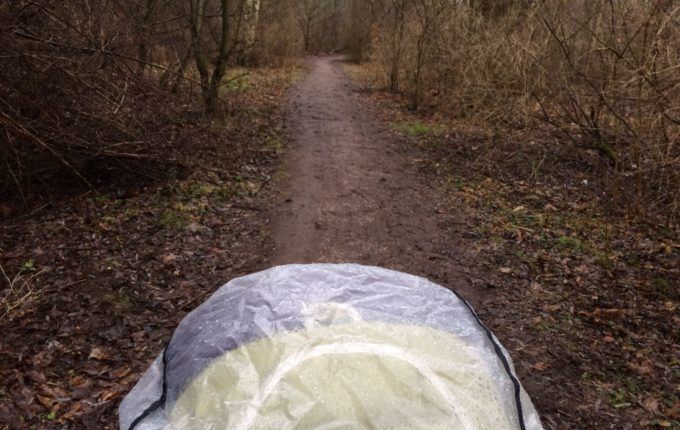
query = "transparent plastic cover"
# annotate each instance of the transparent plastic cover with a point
(330, 346)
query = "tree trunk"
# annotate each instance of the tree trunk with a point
(417, 80)
(397, 39)
(210, 83)
(143, 47)
(197, 7)
(218, 73)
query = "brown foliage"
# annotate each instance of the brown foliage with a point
(603, 73)
(97, 93)
(75, 113)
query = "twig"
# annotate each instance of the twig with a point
(48, 147)
(519, 227)
(110, 53)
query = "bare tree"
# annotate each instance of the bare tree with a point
(398, 15)
(308, 12)
(429, 15)
(210, 82)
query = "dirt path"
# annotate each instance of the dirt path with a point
(350, 191)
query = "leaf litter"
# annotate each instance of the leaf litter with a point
(582, 292)
(95, 284)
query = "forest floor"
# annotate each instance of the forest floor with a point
(584, 296)
(96, 283)
(585, 300)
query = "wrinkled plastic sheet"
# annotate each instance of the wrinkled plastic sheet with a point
(330, 347)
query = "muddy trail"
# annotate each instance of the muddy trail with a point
(351, 192)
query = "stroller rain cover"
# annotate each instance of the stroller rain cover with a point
(330, 346)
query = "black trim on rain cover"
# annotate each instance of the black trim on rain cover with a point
(504, 360)
(155, 405)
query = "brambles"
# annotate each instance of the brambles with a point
(112, 97)
(602, 73)
(17, 289)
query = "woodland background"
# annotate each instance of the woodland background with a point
(139, 140)
(82, 81)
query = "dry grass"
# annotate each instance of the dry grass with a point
(16, 289)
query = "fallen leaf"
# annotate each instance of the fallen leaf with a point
(608, 314)
(651, 404)
(75, 411)
(583, 268)
(644, 368)
(120, 372)
(44, 400)
(540, 366)
(47, 391)
(107, 395)
(168, 258)
(98, 354)
(81, 387)
(36, 376)
(660, 423)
